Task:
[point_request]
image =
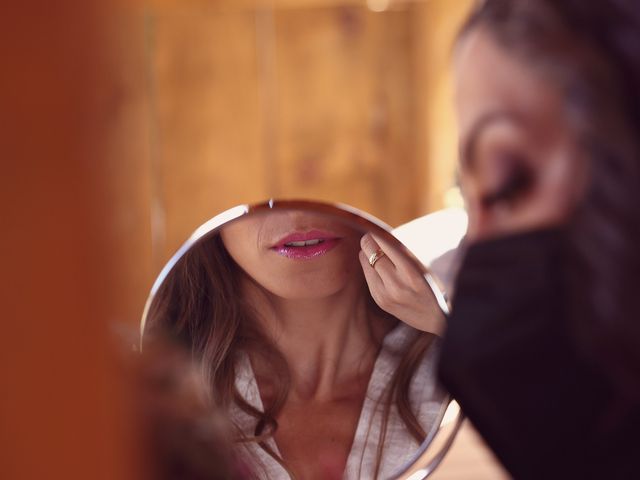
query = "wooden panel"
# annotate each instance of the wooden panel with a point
(236, 5)
(126, 172)
(336, 103)
(207, 117)
(344, 118)
(61, 407)
(435, 24)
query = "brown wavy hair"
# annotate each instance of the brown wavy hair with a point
(590, 51)
(199, 304)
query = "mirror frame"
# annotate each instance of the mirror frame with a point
(420, 466)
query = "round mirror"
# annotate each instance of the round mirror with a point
(278, 304)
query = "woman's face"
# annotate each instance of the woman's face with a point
(295, 254)
(520, 163)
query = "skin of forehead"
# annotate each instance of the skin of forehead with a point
(489, 78)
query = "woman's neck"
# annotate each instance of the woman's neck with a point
(330, 344)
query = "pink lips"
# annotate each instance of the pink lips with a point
(306, 245)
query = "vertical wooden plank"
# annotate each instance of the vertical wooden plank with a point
(126, 170)
(207, 105)
(61, 407)
(435, 25)
(344, 120)
(335, 102)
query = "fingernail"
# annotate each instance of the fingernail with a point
(366, 237)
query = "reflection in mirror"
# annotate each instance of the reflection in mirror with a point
(435, 240)
(317, 379)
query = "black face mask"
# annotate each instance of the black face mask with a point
(515, 361)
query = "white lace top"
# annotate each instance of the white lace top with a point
(426, 398)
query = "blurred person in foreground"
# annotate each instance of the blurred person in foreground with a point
(542, 350)
(182, 435)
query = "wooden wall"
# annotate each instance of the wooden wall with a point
(65, 242)
(125, 129)
(313, 99)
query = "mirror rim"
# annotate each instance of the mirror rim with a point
(349, 214)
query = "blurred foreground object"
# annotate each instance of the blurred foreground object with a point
(182, 435)
(542, 350)
(62, 408)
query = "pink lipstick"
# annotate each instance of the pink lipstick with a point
(306, 245)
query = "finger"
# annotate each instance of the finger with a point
(425, 316)
(378, 289)
(374, 281)
(398, 257)
(408, 274)
(383, 266)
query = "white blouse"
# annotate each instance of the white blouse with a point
(425, 395)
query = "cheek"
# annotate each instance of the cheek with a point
(566, 169)
(241, 240)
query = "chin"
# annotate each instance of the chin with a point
(312, 288)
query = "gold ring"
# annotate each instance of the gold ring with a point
(375, 256)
